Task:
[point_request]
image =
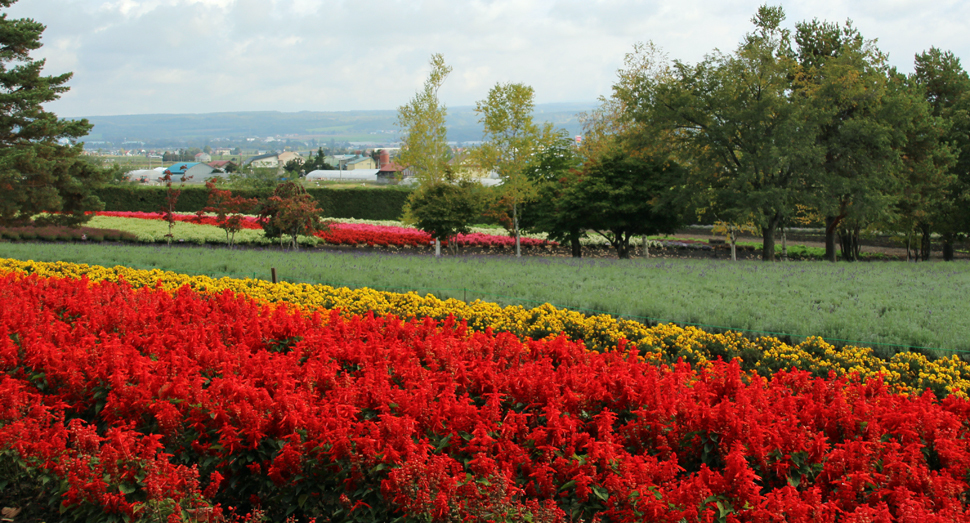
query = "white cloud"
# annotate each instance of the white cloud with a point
(168, 56)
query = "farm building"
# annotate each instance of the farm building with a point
(224, 165)
(192, 172)
(390, 172)
(262, 160)
(287, 156)
(361, 163)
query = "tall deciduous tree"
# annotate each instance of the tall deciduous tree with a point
(558, 209)
(946, 86)
(628, 184)
(37, 172)
(511, 141)
(424, 145)
(861, 121)
(735, 123)
(925, 179)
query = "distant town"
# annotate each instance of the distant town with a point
(220, 144)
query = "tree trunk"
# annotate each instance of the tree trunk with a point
(577, 247)
(831, 222)
(622, 244)
(909, 243)
(784, 244)
(768, 239)
(849, 244)
(734, 244)
(437, 247)
(646, 246)
(925, 248)
(948, 247)
(856, 243)
(515, 227)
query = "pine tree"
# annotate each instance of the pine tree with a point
(38, 173)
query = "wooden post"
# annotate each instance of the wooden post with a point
(272, 271)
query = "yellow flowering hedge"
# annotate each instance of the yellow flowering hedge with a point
(906, 371)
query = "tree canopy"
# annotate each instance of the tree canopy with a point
(813, 120)
(941, 80)
(424, 145)
(861, 120)
(445, 209)
(732, 119)
(625, 196)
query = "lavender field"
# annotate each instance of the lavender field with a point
(888, 305)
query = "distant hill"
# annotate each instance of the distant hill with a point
(343, 125)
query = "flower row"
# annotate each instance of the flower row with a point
(355, 233)
(905, 371)
(143, 399)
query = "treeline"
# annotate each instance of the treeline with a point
(793, 127)
(799, 127)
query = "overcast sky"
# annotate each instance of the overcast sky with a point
(199, 56)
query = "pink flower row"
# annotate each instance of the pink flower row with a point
(357, 233)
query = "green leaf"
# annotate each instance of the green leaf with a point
(443, 442)
(601, 492)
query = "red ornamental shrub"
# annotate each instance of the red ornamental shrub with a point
(197, 399)
(229, 210)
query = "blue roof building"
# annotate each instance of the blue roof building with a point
(196, 171)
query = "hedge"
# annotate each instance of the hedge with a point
(361, 203)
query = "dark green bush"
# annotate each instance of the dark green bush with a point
(384, 203)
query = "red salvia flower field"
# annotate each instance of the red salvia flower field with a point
(132, 402)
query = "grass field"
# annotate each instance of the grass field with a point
(877, 304)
